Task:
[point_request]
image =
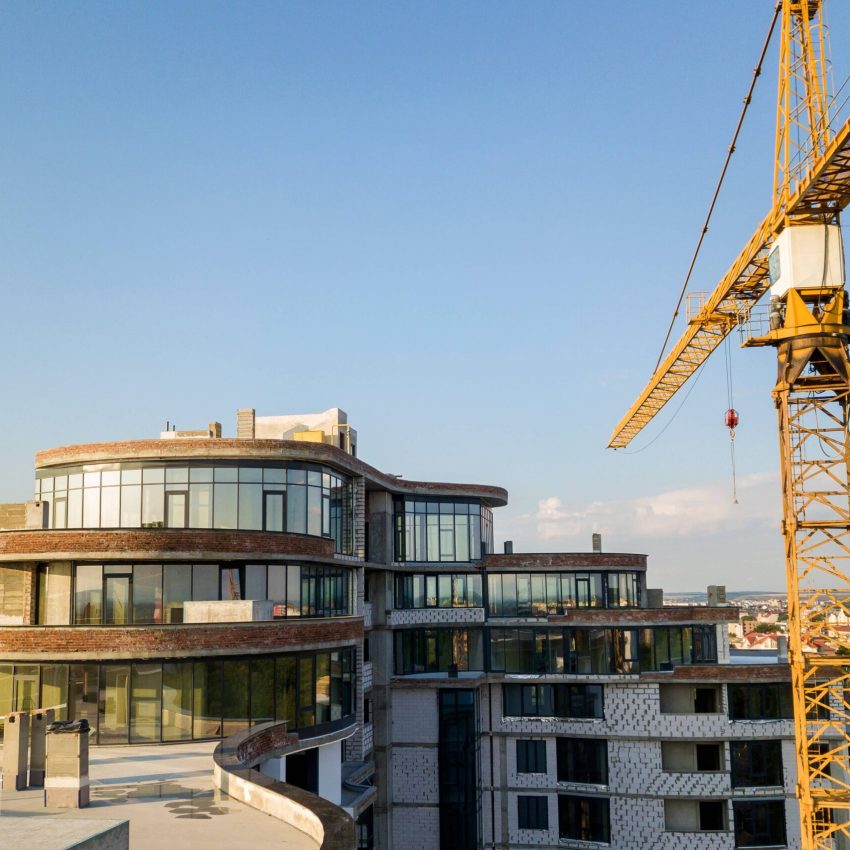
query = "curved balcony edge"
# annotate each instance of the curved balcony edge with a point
(234, 773)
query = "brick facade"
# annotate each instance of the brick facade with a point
(109, 643)
(152, 543)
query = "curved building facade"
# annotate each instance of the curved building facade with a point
(191, 587)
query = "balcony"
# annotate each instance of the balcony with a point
(228, 611)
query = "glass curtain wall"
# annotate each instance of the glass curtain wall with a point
(149, 702)
(542, 594)
(436, 650)
(154, 594)
(442, 530)
(438, 591)
(296, 498)
(538, 651)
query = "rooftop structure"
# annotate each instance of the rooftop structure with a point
(196, 587)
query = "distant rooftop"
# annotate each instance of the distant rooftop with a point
(330, 427)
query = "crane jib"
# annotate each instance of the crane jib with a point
(824, 191)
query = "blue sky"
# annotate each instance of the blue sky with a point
(464, 223)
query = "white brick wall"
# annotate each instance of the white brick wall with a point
(414, 775)
(634, 728)
(434, 616)
(415, 716)
(416, 828)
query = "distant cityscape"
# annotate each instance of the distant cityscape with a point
(763, 622)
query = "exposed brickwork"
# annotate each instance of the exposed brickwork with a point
(588, 560)
(114, 642)
(360, 517)
(30, 591)
(261, 745)
(233, 449)
(157, 543)
(646, 616)
(723, 673)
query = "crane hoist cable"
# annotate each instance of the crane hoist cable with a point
(729, 152)
(731, 418)
(669, 422)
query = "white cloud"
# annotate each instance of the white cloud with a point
(689, 512)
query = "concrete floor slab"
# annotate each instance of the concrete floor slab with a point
(167, 795)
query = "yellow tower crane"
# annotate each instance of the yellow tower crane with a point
(796, 254)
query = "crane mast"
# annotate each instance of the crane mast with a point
(797, 255)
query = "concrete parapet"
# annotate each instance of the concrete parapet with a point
(39, 721)
(66, 784)
(15, 746)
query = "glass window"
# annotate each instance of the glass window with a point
(306, 692)
(314, 511)
(177, 701)
(109, 513)
(323, 688)
(208, 706)
(769, 701)
(530, 756)
(145, 711)
(231, 588)
(296, 509)
(177, 589)
(75, 508)
(54, 689)
(262, 690)
(474, 584)
(509, 595)
(286, 691)
(226, 473)
(153, 505)
(277, 582)
(235, 696)
(225, 505)
(83, 685)
(88, 596)
(113, 726)
(251, 506)
(583, 760)
(131, 505)
(532, 812)
(293, 590)
(91, 507)
(444, 584)
(255, 582)
(756, 763)
(759, 823)
(176, 475)
(205, 582)
(200, 505)
(147, 593)
(274, 511)
(584, 818)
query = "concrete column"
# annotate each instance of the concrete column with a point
(66, 785)
(330, 772)
(275, 768)
(245, 423)
(39, 721)
(15, 740)
(380, 528)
